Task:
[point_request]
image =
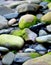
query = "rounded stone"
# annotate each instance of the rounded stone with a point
(12, 21)
(27, 21)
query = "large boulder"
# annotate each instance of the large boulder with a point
(43, 60)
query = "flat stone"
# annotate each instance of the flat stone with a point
(22, 57)
(34, 1)
(11, 15)
(3, 22)
(8, 58)
(4, 49)
(6, 31)
(27, 7)
(5, 10)
(42, 39)
(28, 50)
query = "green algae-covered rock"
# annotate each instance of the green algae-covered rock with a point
(27, 21)
(18, 32)
(26, 33)
(42, 39)
(43, 60)
(11, 40)
(46, 18)
(49, 5)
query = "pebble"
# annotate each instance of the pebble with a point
(4, 49)
(29, 50)
(27, 7)
(11, 15)
(6, 31)
(5, 10)
(12, 21)
(42, 39)
(43, 60)
(8, 58)
(48, 28)
(3, 22)
(42, 33)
